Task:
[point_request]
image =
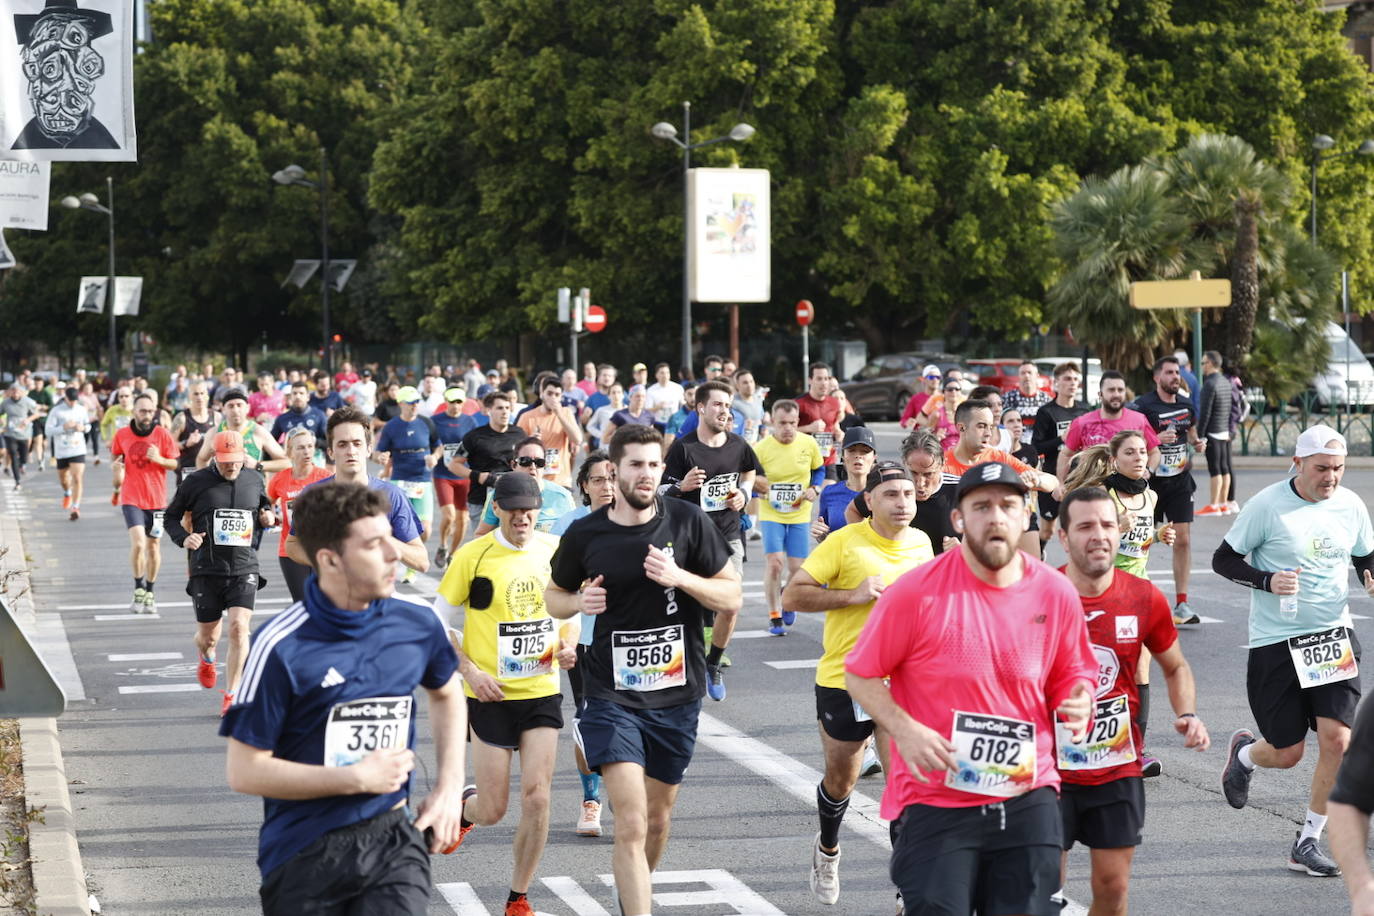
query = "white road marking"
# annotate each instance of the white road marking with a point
(144, 656)
(572, 893)
(162, 688)
(130, 616)
(115, 607)
(749, 634)
(725, 889)
(794, 663)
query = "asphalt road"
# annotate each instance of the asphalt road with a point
(161, 833)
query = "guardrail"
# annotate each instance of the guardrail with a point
(1271, 430)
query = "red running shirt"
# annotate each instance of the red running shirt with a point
(283, 489)
(145, 483)
(809, 410)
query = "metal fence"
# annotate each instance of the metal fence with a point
(1273, 430)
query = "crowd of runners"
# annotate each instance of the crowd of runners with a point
(596, 528)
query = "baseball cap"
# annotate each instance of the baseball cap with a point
(72, 394)
(638, 366)
(492, 373)
(1314, 439)
(517, 491)
(234, 394)
(366, 373)
(986, 474)
(858, 435)
(228, 446)
(408, 395)
(636, 389)
(884, 471)
(455, 394)
(930, 371)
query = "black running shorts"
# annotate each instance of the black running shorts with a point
(64, 463)
(1175, 497)
(500, 724)
(997, 859)
(211, 596)
(1284, 711)
(1107, 816)
(836, 712)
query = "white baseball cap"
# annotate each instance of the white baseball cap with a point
(1314, 439)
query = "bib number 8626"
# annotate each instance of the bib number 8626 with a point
(1322, 652)
(995, 750)
(649, 656)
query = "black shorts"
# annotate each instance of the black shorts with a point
(501, 724)
(659, 740)
(379, 865)
(1284, 711)
(1175, 497)
(1218, 452)
(64, 463)
(835, 710)
(149, 520)
(211, 596)
(1108, 816)
(997, 859)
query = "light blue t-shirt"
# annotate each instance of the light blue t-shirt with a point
(584, 621)
(558, 502)
(1279, 529)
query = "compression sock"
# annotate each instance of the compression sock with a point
(1142, 719)
(148, 585)
(138, 583)
(591, 787)
(713, 655)
(832, 813)
(1312, 826)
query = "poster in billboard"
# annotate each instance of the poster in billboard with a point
(24, 194)
(728, 252)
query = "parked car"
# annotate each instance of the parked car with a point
(1003, 373)
(881, 389)
(1349, 378)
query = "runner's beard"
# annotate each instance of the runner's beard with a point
(632, 497)
(141, 429)
(993, 556)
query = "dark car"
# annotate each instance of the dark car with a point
(881, 389)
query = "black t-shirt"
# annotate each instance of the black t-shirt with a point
(1178, 416)
(487, 450)
(226, 513)
(648, 634)
(932, 516)
(1051, 424)
(723, 466)
(386, 409)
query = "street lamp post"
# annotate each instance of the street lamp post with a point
(1321, 143)
(89, 201)
(295, 175)
(665, 131)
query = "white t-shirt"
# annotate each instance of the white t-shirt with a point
(363, 395)
(664, 400)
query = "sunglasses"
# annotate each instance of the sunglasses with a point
(953, 387)
(527, 462)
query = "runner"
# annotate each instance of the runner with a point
(938, 413)
(452, 424)
(528, 460)
(792, 471)
(261, 451)
(362, 394)
(510, 656)
(651, 570)
(556, 425)
(818, 415)
(1214, 424)
(843, 578)
(984, 647)
(229, 510)
(191, 426)
(350, 445)
(1301, 535)
(1027, 397)
(283, 489)
(66, 427)
(1052, 422)
(1175, 421)
(20, 413)
(41, 395)
(635, 414)
(145, 452)
(930, 388)
(1102, 799)
(117, 416)
(96, 411)
(751, 419)
(298, 414)
(488, 451)
(605, 378)
(410, 447)
(858, 453)
(596, 483)
(324, 728)
(267, 403)
(323, 399)
(925, 459)
(599, 426)
(1097, 427)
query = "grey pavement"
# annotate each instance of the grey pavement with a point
(161, 833)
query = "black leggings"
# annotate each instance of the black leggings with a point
(1218, 456)
(18, 450)
(295, 575)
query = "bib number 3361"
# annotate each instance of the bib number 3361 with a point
(359, 727)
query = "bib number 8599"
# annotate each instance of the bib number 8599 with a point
(649, 656)
(995, 750)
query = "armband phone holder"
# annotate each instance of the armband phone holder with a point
(480, 593)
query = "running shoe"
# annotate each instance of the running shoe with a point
(225, 703)
(440, 558)
(136, 606)
(1150, 766)
(1235, 778)
(149, 603)
(463, 831)
(1232, 507)
(825, 874)
(715, 682)
(66, 500)
(775, 627)
(1210, 510)
(871, 765)
(789, 618)
(1184, 615)
(1306, 855)
(755, 535)
(519, 907)
(206, 673)
(589, 824)
(409, 575)
(74, 515)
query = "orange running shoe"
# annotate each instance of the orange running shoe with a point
(66, 501)
(225, 703)
(519, 907)
(206, 673)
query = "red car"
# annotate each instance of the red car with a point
(1002, 373)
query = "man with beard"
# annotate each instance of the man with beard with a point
(983, 647)
(924, 457)
(146, 452)
(299, 413)
(261, 452)
(1175, 420)
(1102, 800)
(1098, 426)
(652, 570)
(228, 510)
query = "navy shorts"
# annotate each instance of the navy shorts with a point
(149, 520)
(659, 740)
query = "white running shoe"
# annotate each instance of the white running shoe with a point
(825, 874)
(589, 824)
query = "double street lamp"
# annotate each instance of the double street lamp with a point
(1321, 143)
(665, 131)
(295, 175)
(89, 201)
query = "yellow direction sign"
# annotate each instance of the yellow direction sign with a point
(1181, 294)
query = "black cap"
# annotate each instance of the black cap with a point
(858, 435)
(989, 473)
(517, 491)
(884, 471)
(233, 394)
(366, 373)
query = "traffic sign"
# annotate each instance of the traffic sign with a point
(596, 318)
(805, 312)
(1180, 294)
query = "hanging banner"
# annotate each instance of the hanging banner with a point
(24, 194)
(67, 81)
(728, 253)
(6, 257)
(91, 296)
(128, 293)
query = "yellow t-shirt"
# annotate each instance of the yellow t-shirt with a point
(844, 559)
(513, 638)
(788, 469)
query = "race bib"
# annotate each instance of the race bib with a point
(647, 660)
(993, 755)
(1323, 658)
(451, 450)
(1061, 427)
(286, 515)
(413, 489)
(1108, 743)
(524, 648)
(715, 493)
(826, 441)
(785, 496)
(1136, 541)
(551, 462)
(232, 527)
(359, 727)
(751, 431)
(70, 439)
(158, 517)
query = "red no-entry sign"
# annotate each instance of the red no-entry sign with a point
(805, 312)
(596, 318)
